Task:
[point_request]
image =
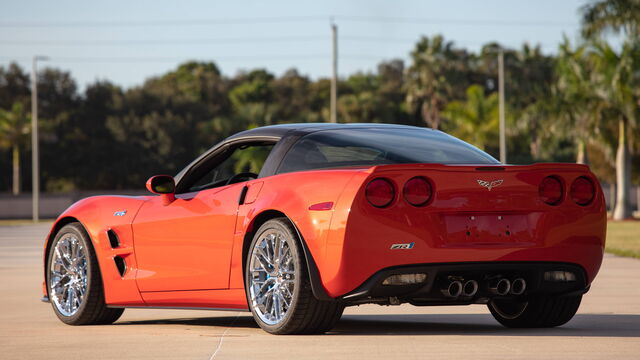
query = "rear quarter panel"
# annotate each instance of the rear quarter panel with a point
(292, 194)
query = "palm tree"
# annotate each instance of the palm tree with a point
(14, 128)
(615, 80)
(575, 103)
(476, 119)
(428, 88)
(617, 16)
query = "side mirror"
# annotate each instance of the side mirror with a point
(164, 185)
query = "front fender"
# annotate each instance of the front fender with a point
(97, 215)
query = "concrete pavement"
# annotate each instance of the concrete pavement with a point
(607, 325)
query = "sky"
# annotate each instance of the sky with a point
(127, 42)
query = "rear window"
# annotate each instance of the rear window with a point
(378, 146)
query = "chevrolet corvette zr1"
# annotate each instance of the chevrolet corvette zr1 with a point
(295, 222)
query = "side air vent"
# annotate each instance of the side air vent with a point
(113, 239)
(120, 264)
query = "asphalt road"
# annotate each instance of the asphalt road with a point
(607, 325)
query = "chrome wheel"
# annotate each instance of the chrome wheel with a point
(68, 274)
(272, 276)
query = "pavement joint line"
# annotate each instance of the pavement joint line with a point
(213, 356)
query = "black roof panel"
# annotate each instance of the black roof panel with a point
(281, 129)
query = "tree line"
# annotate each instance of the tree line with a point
(578, 105)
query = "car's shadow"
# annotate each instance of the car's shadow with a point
(591, 325)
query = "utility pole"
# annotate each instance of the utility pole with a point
(35, 157)
(334, 73)
(503, 145)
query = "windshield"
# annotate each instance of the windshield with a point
(378, 146)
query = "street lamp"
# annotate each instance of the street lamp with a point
(35, 158)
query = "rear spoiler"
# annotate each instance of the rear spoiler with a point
(482, 167)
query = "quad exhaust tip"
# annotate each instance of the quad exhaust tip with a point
(500, 286)
(453, 289)
(470, 288)
(518, 286)
(459, 288)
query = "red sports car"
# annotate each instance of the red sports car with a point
(295, 222)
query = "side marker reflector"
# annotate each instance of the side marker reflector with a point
(322, 206)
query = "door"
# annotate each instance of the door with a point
(187, 244)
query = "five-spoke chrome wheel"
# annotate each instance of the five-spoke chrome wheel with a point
(68, 274)
(272, 276)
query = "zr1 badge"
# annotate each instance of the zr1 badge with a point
(402, 246)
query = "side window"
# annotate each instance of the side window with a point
(310, 154)
(239, 164)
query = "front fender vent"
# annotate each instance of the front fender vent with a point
(114, 240)
(120, 264)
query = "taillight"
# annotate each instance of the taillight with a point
(380, 192)
(417, 191)
(582, 191)
(550, 190)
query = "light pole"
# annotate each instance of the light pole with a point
(35, 158)
(334, 73)
(503, 143)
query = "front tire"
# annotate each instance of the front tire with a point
(74, 283)
(539, 312)
(277, 284)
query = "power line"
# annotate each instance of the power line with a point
(283, 19)
(445, 21)
(159, 59)
(152, 23)
(233, 40)
(173, 59)
(139, 42)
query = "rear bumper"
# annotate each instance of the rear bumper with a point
(507, 225)
(429, 292)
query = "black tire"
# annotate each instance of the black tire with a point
(92, 310)
(306, 314)
(539, 312)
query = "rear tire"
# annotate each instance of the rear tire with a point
(279, 279)
(539, 312)
(72, 268)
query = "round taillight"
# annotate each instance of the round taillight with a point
(583, 191)
(417, 191)
(380, 192)
(550, 190)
